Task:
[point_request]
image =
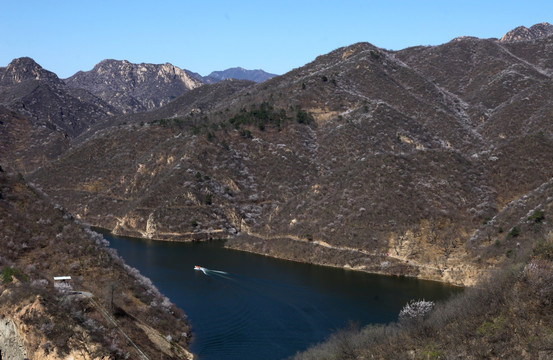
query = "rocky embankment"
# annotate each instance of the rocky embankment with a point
(12, 345)
(458, 271)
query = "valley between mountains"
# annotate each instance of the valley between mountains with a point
(434, 161)
(404, 163)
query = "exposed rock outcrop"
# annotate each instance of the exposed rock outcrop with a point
(11, 342)
(23, 69)
(522, 33)
(134, 87)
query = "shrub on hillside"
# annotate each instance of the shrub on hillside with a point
(261, 115)
(515, 231)
(7, 274)
(539, 274)
(537, 216)
(543, 250)
(304, 117)
(415, 310)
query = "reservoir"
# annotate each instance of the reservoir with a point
(248, 306)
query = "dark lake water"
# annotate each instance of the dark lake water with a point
(249, 306)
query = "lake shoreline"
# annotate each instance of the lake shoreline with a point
(309, 253)
(244, 301)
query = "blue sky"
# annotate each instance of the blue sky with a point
(207, 35)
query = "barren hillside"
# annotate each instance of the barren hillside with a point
(382, 161)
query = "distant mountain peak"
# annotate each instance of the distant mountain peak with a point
(522, 33)
(238, 73)
(25, 68)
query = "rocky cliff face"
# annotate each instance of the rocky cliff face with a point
(30, 90)
(11, 341)
(24, 69)
(134, 87)
(188, 108)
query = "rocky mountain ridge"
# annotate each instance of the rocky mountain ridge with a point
(522, 33)
(134, 87)
(40, 114)
(23, 69)
(414, 162)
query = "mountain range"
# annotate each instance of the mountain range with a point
(431, 161)
(135, 88)
(360, 158)
(39, 109)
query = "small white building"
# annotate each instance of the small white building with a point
(61, 283)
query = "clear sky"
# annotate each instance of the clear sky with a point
(65, 36)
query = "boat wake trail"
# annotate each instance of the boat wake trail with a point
(209, 271)
(218, 272)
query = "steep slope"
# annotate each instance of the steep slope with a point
(489, 81)
(107, 310)
(506, 316)
(388, 162)
(42, 114)
(502, 86)
(134, 87)
(189, 108)
(361, 78)
(25, 146)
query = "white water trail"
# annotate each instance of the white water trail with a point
(212, 273)
(218, 272)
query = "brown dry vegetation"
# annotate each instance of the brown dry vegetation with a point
(40, 241)
(508, 316)
(427, 162)
(397, 153)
